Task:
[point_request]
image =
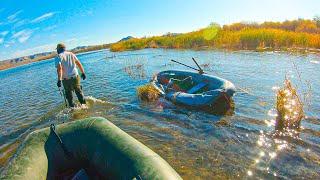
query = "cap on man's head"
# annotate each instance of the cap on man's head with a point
(61, 46)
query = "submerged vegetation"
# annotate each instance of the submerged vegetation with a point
(287, 36)
(136, 71)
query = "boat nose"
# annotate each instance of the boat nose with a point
(230, 91)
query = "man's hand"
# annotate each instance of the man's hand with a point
(83, 76)
(59, 83)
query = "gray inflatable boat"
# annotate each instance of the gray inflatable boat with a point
(194, 90)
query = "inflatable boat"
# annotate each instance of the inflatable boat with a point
(92, 148)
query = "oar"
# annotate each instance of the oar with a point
(187, 66)
(200, 69)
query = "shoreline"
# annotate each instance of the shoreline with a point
(8, 66)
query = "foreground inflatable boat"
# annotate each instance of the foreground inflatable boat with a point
(193, 89)
(93, 147)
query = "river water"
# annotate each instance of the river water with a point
(198, 145)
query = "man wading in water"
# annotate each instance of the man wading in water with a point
(66, 64)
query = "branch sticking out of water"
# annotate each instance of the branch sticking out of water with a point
(289, 107)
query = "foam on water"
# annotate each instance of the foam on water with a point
(95, 100)
(67, 113)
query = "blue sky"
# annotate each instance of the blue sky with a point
(34, 26)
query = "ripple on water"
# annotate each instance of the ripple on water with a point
(196, 144)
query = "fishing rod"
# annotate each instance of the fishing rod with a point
(200, 69)
(64, 97)
(202, 72)
(185, 65)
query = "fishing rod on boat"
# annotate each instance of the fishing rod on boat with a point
(64, 97)
(200, 69)
(202, 72)
(187, 66)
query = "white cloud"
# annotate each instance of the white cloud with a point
(9, 43)
(35, 50)
(50, 28)
(13, 17)
(88, 12)
(43, 17)
(4, 33)
(71, 40)
(23, 35)
(23, 39)
(2, 36)
(74, 42)
(20, 23)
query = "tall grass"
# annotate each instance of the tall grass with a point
(298, 34)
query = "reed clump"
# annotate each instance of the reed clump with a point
(148, 93)
(289, 107)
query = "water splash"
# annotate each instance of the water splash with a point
(95, 100)
(80, 110)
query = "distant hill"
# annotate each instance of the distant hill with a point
(126, 38)
(79, 48)
(46, 55)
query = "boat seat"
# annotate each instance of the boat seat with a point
(197, 87)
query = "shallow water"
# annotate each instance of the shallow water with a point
(196, 144)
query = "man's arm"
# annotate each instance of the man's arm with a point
(78, 63)
(59, 72)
